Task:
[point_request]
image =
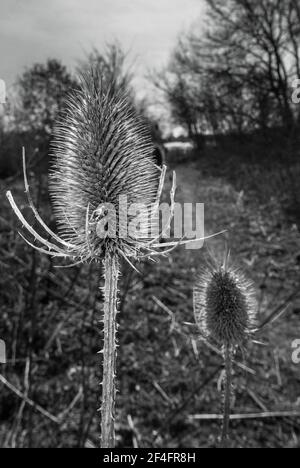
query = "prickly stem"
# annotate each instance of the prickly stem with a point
(227, 395)
(111, 272)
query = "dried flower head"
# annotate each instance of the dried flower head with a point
(102, 151)
(224, 304)
(102, 154)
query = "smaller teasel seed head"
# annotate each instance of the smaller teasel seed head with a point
(224, 304)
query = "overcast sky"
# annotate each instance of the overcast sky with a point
(33, 30)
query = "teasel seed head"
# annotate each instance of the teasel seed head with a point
(104, 184)
(101, 151)
(224, 304)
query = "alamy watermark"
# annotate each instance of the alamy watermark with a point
(2, 92)
(296, 352)
(2, 352)
(142, 221)
(296, 93)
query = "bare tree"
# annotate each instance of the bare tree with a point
(237, 77)
(259, 40)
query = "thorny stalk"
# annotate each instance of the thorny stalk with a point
(111, 273)
(227, 395)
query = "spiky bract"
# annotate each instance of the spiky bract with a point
(101, 151)
(224, 304)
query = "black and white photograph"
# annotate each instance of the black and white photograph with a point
(149, 226)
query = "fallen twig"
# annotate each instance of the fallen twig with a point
(235, 417)
(28, 400)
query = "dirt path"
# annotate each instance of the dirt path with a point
(222, 204)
